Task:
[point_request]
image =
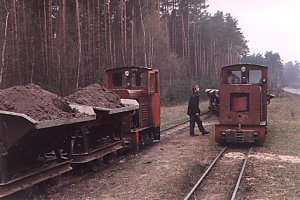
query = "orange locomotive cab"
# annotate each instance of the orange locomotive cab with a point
(142, 85)
(243, 104)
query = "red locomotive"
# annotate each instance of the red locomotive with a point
(142, 85)
(243, 98)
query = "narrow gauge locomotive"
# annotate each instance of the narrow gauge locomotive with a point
(243, 98)
(142, 85)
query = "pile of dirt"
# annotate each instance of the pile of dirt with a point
(35, 102)
(95, 95)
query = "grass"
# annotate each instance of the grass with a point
(284, 124)
(277, 171)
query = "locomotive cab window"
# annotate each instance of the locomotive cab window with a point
(234, 77)
(139, 79)
(255, 76)
(118, 80)
(153, 84)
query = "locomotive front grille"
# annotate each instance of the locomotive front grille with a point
(144, 112)
(239, 136)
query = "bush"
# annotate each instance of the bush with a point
(179, 91)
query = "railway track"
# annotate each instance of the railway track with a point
(220, 172)
(173, 130)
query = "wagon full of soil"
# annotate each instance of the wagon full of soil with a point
(112, 124)
(35, 136)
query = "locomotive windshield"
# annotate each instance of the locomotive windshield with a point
(139, 79)
(234, 77)
(255, 76)
(248, 76)
(118, 80)
(129, 79)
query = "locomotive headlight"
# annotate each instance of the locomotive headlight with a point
(243, 69)
(126, 73)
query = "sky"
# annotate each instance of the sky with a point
(268, 25)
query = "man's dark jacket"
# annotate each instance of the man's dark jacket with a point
(193, 106)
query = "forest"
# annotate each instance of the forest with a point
(62, 45)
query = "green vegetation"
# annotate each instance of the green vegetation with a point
(180, 90)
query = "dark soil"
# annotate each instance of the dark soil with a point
(95, 95)
(35, 102)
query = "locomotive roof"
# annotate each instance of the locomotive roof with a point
(130, 67)
(244, 64)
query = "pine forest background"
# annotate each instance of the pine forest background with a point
(66, 44)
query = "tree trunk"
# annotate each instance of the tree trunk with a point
(132, 33)
(144, 34)
(109, 35)
(4, 46)
(79, 42)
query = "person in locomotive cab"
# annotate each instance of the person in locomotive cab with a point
(194, 111)
(232, 78)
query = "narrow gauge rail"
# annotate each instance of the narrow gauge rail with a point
(205, 175)
(172, 130)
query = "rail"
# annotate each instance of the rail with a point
(241, 175)
(185, 121)
(164, 131)
(205, 174)
(233, 195)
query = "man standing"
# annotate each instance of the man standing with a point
(194, 112)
